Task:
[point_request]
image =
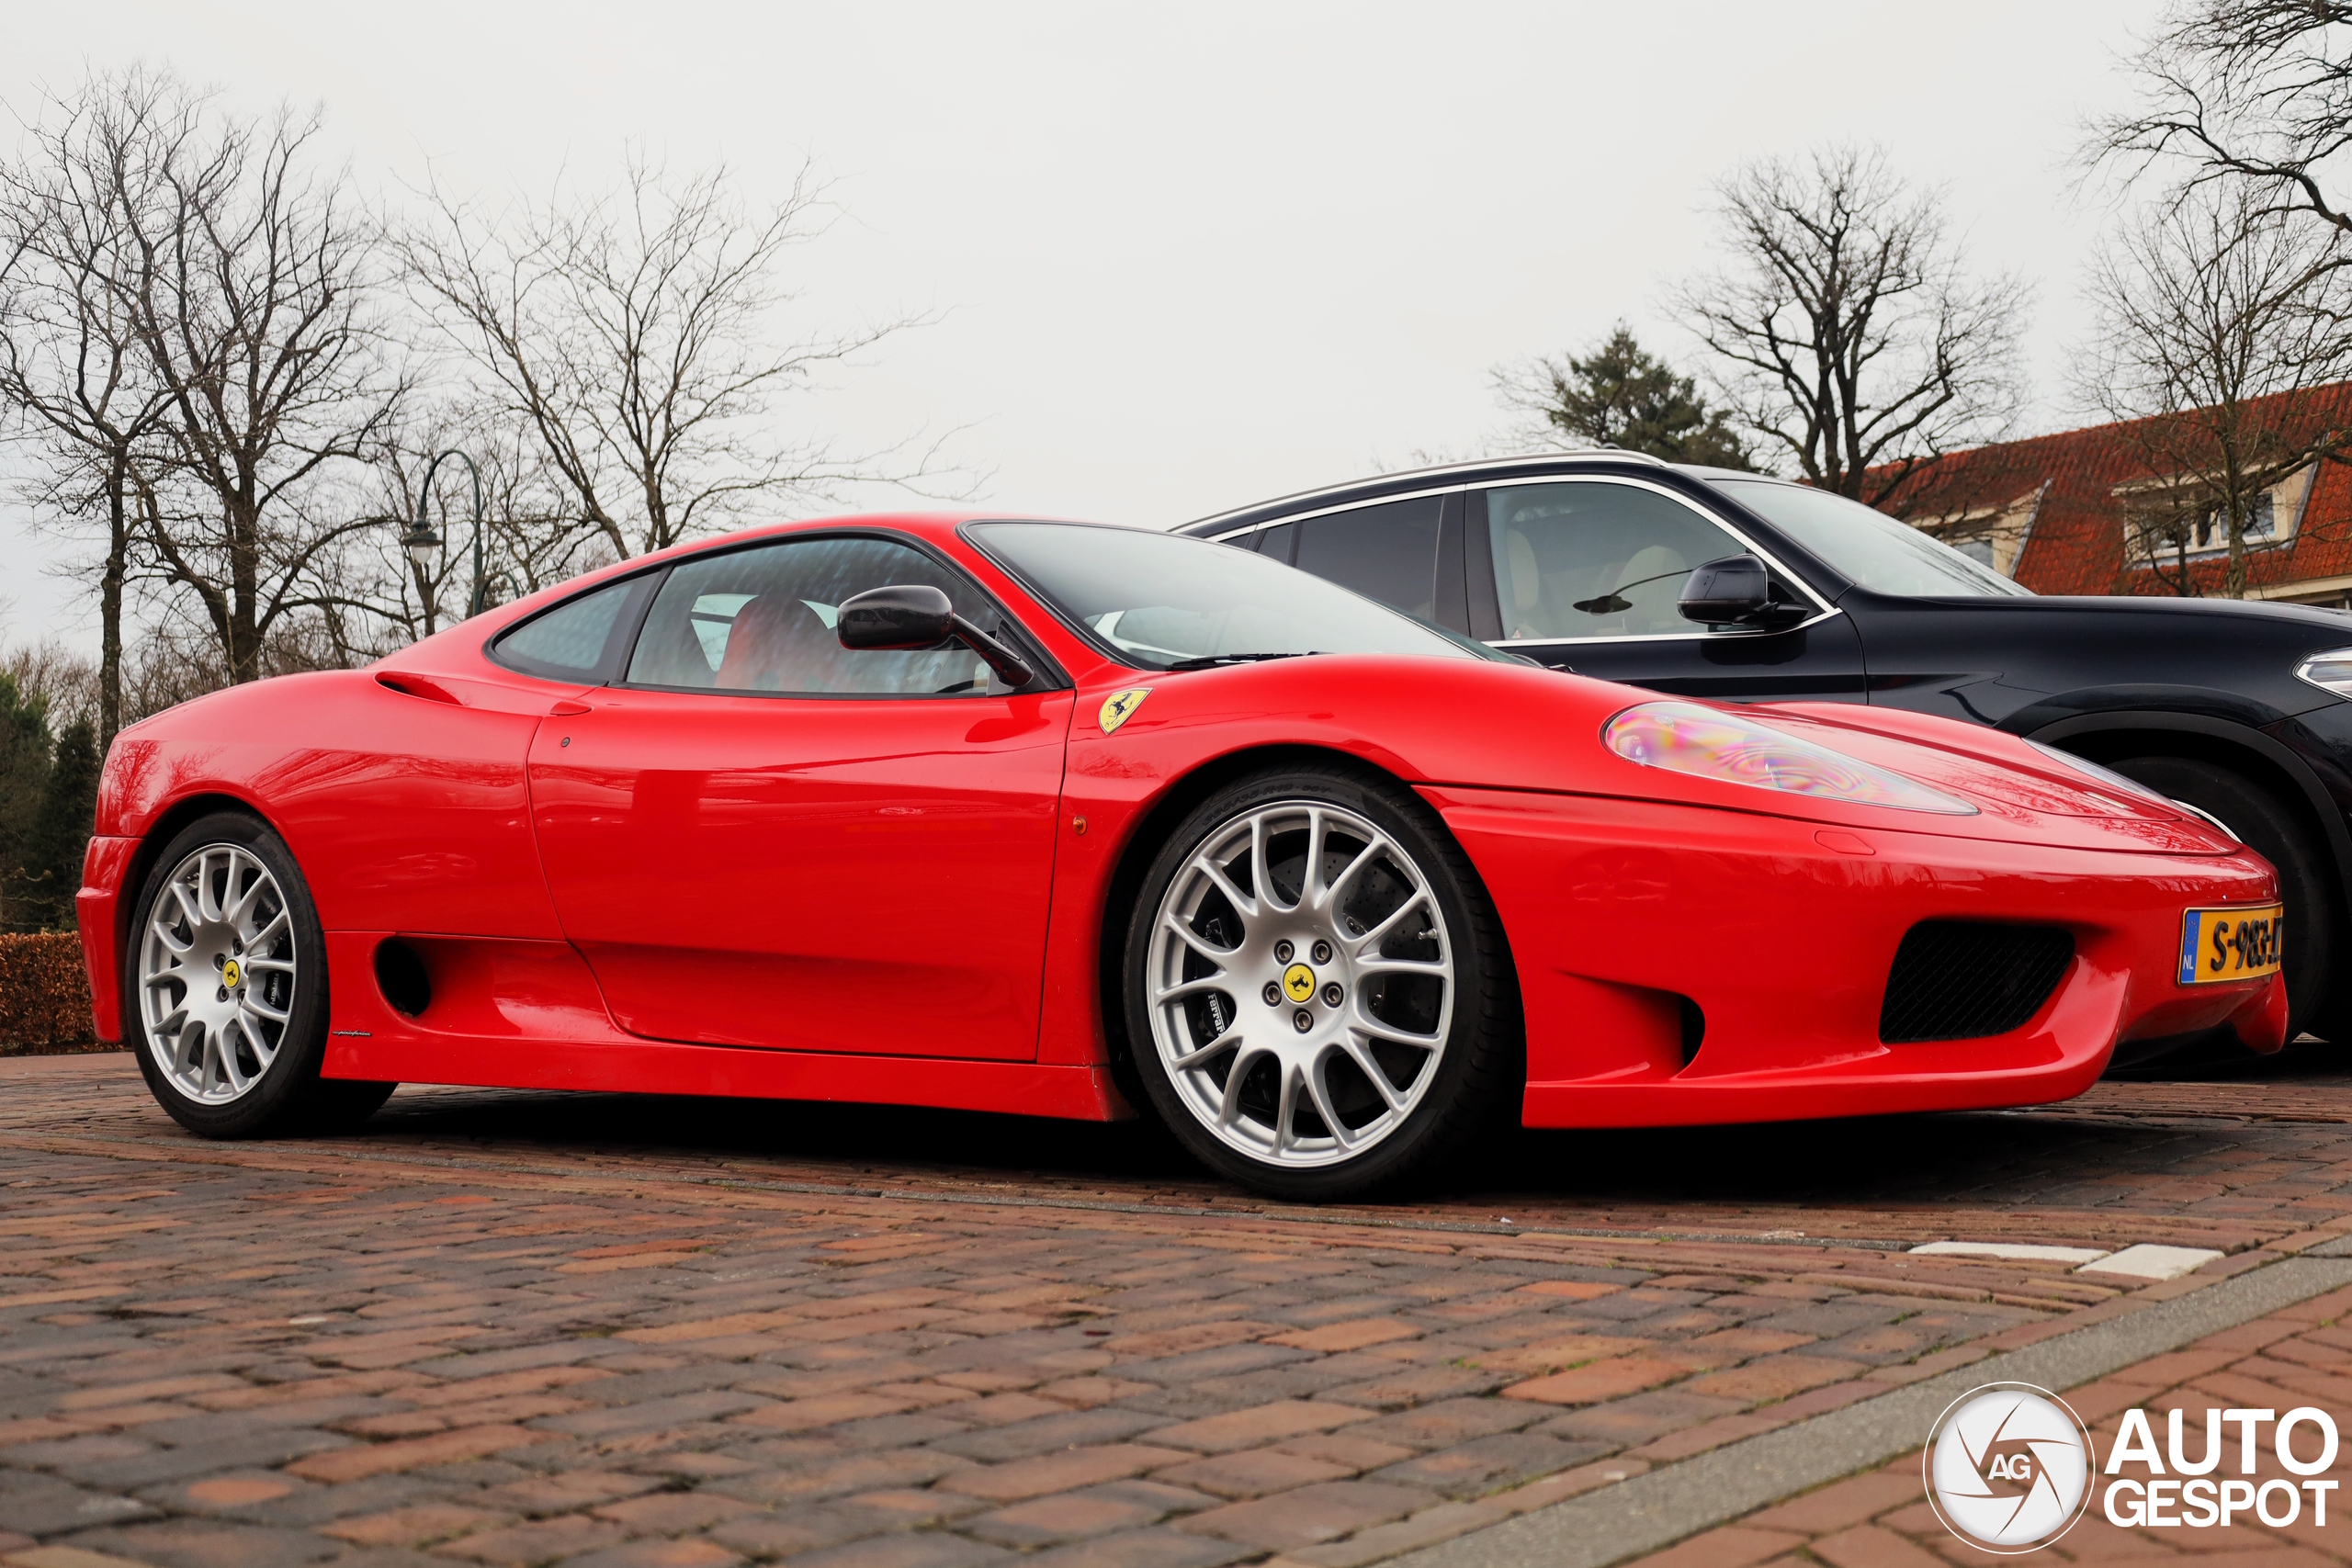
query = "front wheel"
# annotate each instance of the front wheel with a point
(225, 984)
(1319, 999)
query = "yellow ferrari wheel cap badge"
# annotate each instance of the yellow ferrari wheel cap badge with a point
(1119, 707)
(231, 974)
(1298, 983)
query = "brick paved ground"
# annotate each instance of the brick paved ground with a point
(512, 1329)
(2299, 1357)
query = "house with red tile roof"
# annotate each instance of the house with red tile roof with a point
(2101, 511)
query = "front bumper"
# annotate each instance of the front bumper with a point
(98, 911)
(1782, 933)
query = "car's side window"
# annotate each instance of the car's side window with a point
(569, 642)
(761, 620)
(1386, 552)
(1275, 543)
(1596, 560)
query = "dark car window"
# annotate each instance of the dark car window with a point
(567, 643)
(1273, 542)
(1386, 552)
(1595, 558)
(761, 620)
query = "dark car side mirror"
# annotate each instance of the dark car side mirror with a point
(912, 615)
(1736, 591)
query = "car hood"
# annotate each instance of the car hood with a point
(1474, 724)
(2203, 611)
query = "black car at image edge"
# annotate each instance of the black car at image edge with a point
(1584, 561)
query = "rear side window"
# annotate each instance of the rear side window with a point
(569, 642)
(1274, 544)
(1387, 552)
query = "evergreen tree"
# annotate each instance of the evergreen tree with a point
(24, 780)
(61, 831)
(1622, 395)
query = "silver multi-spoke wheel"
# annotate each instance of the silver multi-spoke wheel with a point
(217, 967)
(1300, 983)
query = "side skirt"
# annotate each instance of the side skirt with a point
(540, 1024)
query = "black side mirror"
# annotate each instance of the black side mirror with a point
(911, 615)
(1736, 591)
(904, 616)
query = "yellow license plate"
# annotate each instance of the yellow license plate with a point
(2236, 943)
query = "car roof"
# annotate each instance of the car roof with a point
(1440, 476)
(936, 525)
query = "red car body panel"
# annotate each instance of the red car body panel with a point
(744, 830)
(910, 901)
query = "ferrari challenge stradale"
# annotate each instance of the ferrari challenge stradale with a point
(1069, 820)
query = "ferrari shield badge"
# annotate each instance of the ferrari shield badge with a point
(1119, 705)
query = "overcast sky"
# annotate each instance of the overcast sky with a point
(1183, 257)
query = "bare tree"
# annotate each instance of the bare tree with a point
(1848, 333)
(2255, 94)
(72, 364)
(2217, 348)
(179, 656)
(538, 537)
(629, 334)
(64, 681)
(532, 537)
(258, 311)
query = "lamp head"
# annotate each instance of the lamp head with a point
(421, 543)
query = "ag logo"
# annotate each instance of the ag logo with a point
(1119, 707)
(1298, 983)
(2009, 1467)
(231, 974)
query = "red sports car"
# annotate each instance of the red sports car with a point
(1064, 819)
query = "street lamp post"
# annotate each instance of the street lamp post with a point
(421, 540)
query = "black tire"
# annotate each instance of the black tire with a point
(2276, 832)
(1479, 1071)
(285, 1095)
(339, 1105)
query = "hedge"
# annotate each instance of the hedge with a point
(44, 993)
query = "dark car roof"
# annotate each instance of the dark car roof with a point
(1408, 481)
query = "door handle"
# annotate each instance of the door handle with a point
(567, 708)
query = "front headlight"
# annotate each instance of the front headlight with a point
(2330, 672)
(1683, 738)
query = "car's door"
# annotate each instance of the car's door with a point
(1585, 575)
(760, 837)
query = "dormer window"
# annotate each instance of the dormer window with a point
(2181, 517)
(2261, 524)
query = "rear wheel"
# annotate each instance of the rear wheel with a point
(224, 984)
(2274, 830)
(1318, 995)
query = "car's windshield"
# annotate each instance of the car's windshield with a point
(1158, 600)
(1876, 551)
